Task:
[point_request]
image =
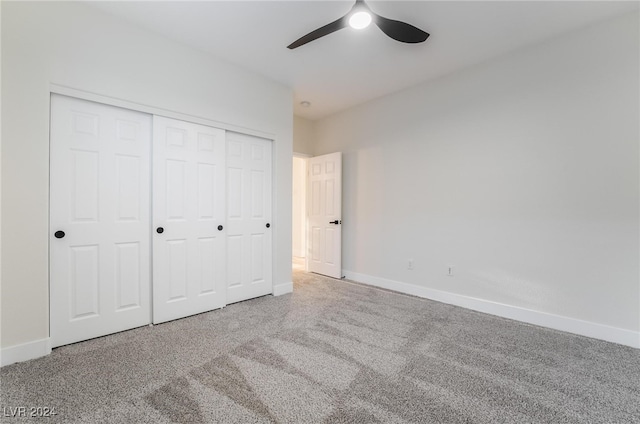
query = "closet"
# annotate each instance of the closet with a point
(151, 219)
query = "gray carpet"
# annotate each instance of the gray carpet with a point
(332, 352)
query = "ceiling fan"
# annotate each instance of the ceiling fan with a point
(359, 17)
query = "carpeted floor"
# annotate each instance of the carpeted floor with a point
(332, 352)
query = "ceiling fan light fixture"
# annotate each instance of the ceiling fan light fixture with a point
(359, 17)
(360, 20)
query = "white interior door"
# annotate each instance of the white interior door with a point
(189, 219)
(99, 219)
(248, 217)
(325, 215)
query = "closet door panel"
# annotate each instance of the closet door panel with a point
(248, 217)
(189, 219)
(99, 219)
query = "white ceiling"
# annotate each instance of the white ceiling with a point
(350, 67)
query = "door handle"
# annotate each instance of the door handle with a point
(220, 227)
(59, 234)
(268, 225)
(159, 230)
(336, 222)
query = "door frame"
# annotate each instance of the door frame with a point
(152, 110)
(305, 246)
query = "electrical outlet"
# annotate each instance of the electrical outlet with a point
(450, 271)
(410, 264)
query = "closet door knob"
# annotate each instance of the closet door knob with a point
(59, 234)
(220, 227)
(159, 230)
(268, 225)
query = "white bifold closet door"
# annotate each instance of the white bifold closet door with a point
(99, 220)
(189, 254)
(248, 217)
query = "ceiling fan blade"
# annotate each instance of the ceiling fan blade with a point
(320, 32)
(400, 31)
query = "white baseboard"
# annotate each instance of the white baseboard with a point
(24, 352)
(543, 319)
(280, 289)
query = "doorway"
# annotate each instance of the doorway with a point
(299, 213)
(317, 214)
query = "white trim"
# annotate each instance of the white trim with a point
(24, 352)
(152, 110)
(284, 288)
(543, 319)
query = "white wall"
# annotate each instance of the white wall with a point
(302, 135)
(520, 173)
(71, 44)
